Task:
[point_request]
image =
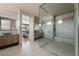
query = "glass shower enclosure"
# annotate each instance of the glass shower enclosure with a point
(57, 23)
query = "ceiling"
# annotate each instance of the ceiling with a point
(44, 14)
(30, 8)
(57, 8)
(33, 8)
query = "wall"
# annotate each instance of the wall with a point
(66, 27)
(9, 15)
(25, 19)
(65, 31)
(31, 29)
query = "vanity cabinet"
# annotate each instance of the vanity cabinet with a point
(8, 40)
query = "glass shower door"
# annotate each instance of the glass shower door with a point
(46, 21)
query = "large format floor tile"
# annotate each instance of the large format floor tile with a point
(27, 49)
(58, 48)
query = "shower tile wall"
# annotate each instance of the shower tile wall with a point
(64, 31)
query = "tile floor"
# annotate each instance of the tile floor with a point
(58, 48)
(35, 49)
(27, 49)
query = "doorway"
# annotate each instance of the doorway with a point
(25, 28)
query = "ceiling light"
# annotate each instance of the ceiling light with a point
(59, 21)
(39, 24)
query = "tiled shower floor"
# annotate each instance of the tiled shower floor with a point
(57, 48)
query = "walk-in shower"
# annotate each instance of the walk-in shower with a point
(57, 23)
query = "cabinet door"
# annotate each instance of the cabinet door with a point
(3, 41)
(16, 38)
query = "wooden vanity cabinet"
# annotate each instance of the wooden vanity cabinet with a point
(8, 40)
